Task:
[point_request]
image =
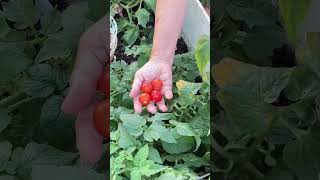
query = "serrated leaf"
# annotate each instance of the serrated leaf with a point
(183, 129)
(133, 123)
(141, 155)
(154, 155)
(131, 35)
(143, 17)
(184, 144)
(157, 131)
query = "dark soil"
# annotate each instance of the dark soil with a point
(119, 53)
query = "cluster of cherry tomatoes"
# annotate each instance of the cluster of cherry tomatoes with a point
(151, 92)
(102, 111)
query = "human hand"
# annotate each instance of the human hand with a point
(153, 69)
(91, 57)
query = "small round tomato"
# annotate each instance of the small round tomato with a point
(156, 96)
(101, 115)
(146, 88)
(103, 83)
(144, 99)
(156, 84)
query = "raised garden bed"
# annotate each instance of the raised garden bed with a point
(171, 145)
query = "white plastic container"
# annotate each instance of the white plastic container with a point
(196, 23)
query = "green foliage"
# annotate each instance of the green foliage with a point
(167, 145)
(37, 51)
(266, 110)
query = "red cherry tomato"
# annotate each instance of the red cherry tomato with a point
(103, 83)
(156, 84)
(146, 88)
(101, 121)
(156, 96)
(144, 99)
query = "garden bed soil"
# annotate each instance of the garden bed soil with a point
(119, 53)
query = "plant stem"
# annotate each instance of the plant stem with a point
(254, 170)
(11, 99)
(16, 105)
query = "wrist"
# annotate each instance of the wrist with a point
(163, 57)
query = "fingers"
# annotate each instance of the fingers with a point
(137, 82)
(167, 85)
(137, 105)
(162, 106)
(151, 108)
(89, 141)
(91, 56)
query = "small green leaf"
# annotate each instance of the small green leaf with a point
(143, 17)
(141, 155)
(151, 4)
(184, 144)
(131, 35)
(184, 129)
(154, 155)
(202, 54)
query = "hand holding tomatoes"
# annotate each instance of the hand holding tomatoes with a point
(151, 92)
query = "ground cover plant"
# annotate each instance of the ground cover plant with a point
(171, 145)
(265, 92)
(37, 52)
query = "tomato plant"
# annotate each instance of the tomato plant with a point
(171, 145)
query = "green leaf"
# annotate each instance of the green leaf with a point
(23, 12)
(293, 13)
(141, 155)
(53, 120)
(183, 129)
(64, 173)
(44, 79)
(247, 91)
(52, 22)
(302, 157)
(5, 119)
(202, 55)
(13, 60)
(54, 48)
(184, 144)
(154, 155)
(133, 123)
(125, 140)
(5, 154)
(131, 35)
(157, 131)
(151, 4)
(38, 154)
(143, 17)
